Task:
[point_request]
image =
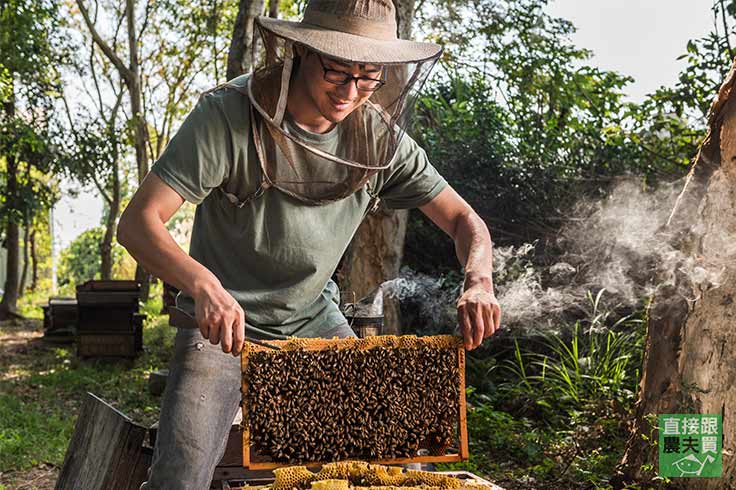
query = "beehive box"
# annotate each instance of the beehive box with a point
(381, 399)
(109, 324)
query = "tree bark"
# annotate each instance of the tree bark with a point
(139, 123)
(113, 213)
(376, 252)
(240, 55)
(273, 9)
(9, 303)
(26, 260)
(34, 259)
(690, 359)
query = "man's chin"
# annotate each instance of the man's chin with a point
(336, 116)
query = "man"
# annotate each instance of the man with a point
(283, 165)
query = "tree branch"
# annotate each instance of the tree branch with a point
(109, 53)
(725, 33)
(149, 6)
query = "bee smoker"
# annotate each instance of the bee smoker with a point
(365, 316)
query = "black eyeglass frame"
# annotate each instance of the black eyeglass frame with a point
(349, 78)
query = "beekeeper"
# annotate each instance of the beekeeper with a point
(283, 165)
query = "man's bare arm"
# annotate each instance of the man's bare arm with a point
(479, 313)
(143, 233)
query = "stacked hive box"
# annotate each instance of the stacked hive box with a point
(381, 399)
(109, 324)
(60, 320)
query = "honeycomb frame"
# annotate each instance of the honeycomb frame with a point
(445, 342)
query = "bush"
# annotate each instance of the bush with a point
(80, 261)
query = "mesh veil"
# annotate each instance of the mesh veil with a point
(361, 144)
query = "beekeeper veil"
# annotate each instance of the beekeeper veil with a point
(318, 169)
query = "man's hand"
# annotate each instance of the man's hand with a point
(478, 314)
(220, 318)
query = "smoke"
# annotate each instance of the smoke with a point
(622, 244)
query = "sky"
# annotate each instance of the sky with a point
(639, 38)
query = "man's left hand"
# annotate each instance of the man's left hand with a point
(478, 314)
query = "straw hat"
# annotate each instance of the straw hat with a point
(352, 30)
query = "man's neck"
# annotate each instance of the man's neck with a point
(302, 109)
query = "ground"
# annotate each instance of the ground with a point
(42, 386)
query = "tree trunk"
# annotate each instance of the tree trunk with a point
(240, 55)
(376, 252)
(26, 259)
(34, 259)
(133, 82)
(106, 249)
(690, 359)
(9, 303)
(113, 212)
(273, 8)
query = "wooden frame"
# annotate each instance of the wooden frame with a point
(366, 343)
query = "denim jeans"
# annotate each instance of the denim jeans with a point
(199, 403)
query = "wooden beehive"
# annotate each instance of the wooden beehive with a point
(280, 406)
(60, 320)
(109, 324)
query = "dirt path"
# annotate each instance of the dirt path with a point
(42, 477)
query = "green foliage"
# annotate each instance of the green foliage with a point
(80, 261)
(553, 409)
(521, 125)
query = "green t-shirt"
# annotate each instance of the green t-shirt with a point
(275, 254)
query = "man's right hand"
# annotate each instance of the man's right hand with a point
(220, 318)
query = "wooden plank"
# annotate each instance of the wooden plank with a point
(106, 450)
(237, 472)
(448, 458)
(106, 345)
(244, 406)
(109, 285)
(463, 428)
(233, 455)
(107, 298)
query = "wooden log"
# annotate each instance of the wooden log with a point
(106, 451)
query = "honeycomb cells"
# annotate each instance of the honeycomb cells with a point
(371, 399)
(361, 475)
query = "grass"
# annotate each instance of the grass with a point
(554, 412)
(43, 387)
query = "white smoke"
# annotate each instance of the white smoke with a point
(621, 244)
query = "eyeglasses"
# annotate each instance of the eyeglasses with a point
(337, 77)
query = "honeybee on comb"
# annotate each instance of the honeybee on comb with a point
(381, 398)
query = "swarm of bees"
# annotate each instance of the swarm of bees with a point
(360, 475)
(375, 398)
